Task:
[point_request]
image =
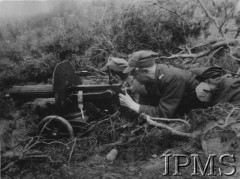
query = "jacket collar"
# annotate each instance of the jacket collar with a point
(157, 83)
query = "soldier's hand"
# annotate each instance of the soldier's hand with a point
(127, 101)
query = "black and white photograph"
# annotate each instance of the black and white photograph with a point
(120, 89)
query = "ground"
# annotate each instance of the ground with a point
(85, 157)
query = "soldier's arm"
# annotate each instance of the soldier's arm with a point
(170, 100)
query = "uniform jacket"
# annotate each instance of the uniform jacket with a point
(227, 90)
(171, 95)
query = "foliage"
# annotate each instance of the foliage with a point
(89, 31)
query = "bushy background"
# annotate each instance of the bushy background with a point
(88, 32)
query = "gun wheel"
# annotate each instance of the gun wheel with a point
(54, 127)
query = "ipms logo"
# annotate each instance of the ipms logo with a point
(223, 165)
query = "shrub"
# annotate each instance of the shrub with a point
(93, 31)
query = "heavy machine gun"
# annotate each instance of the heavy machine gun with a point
(71, 97)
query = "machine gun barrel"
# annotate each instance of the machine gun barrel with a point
(32, 91)
(95, 88)
(46, 91)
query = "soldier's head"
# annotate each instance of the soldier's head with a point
(141, 65)
(137, 87)
(116, 67)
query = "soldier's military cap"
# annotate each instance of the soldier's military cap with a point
(141, 59)
(116, 64)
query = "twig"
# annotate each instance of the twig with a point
(174, 12)
(228, 116)
(211, 55)
(54, 142)
(225, 17)
(209, 14)
(9, 165)
(30, 141)
(173, 131)
(26, 157)
(93, 125)
(26, 148)
(45, 125)
(70, 155)
(170, 120)
(166, 152)
(31, 146)
(213, 19)
(188, 49)
(238, 71)
(222, 126)
(206, 52)
(19, 144)
(210, 42)
(238, 32)
(235, 58)
(102, 73)
(105, 118)
(133, 131)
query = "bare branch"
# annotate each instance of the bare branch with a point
(212, 18)
(102, 73)
(235, 58)
(9, 165)
(238, 71)
(172, 130)
(238, 31)
(206, 52)
(212, 54)
(222, 126)
(174, 12)
(180, 56)
(209, 14)
(170, 120)
(70, 155)
(188, 49)
(210, 42)
(54, 142)
(225, 17)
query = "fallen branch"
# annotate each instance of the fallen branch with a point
(22, 156)
(31, 143)
(170, 120)
(204, 53)
(173, 131)
(206, 43)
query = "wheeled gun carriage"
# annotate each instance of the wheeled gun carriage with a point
(70, 97)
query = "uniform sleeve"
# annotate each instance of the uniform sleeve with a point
(143, 100)
(170, 99)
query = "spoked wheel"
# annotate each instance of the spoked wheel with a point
(54, 127)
